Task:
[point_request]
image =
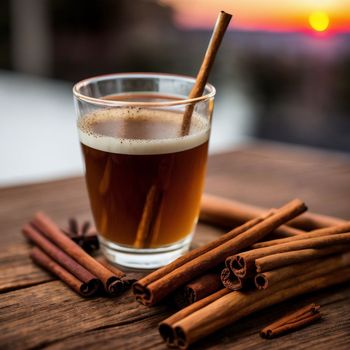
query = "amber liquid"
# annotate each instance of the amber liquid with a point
(129, 153)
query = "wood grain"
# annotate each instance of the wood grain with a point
(266, 174)
(17, 269)
(40, 312)
(55, 312)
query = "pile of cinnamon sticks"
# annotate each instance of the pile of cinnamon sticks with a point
(57, 253)
(258, 272)
(225, 307)
(160, 284)
(320, 251)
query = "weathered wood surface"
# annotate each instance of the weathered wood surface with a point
(39, 312)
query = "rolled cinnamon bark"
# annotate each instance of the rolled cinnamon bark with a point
(243, 264)
(127, 280)
(198, 289)
(148, 228)
(227, 212)
(235, 305)
(230, 281)
(221, 25)
(342, 228)
(149, 293)
(148, 218)
(300, 318)
(166, 326)
(85, 289)
(112, 282)
(275, 261)
(322, 266)
(85, 283)
(287, 231)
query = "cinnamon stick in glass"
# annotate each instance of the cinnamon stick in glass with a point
(156, 286)
(269, 278)
(112, 282)
(296, 320)
(236, 305)
(221, 25)
(84, 282)
(243, 264)
(147, 226)
(82, 288)
(227, 212)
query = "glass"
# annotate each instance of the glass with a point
(144, 174)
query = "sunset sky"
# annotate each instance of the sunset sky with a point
(273, 15)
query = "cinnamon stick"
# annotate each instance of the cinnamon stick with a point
(235, 305)
(227, 212)
(85, 282)
(165, 327)
(275, 261)
(111, 281)
(221, 25)
(287, 231)
(298, 319)
(323, 266)
(243, 264)
(230, 281)
(127, 280)
(146, 224)
(148, 228)
(153, 289)
(342, 228)
(82, 288)
(198, 289)
(153, 201)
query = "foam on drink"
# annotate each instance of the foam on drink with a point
(140, 131)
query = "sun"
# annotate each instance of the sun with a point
(319, 21)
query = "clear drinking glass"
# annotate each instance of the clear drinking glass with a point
(144, 172)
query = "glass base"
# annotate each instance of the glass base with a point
(150, 258)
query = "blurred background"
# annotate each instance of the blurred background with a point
(282, 73)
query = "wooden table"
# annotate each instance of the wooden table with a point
(38, 311)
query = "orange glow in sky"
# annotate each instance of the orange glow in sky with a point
(270, 15)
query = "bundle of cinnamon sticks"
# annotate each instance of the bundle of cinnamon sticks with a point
(280, 269)
(58, 254)
(224, 307)
(270, 262)
(160, 284)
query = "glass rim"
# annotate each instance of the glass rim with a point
(112, 103)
